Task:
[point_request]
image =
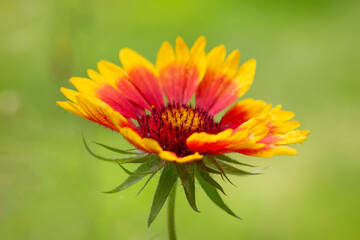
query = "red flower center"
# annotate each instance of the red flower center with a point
(170, 126)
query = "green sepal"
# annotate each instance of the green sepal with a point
(114, 149)
(228, 159)
(226, 168)
(151, 165)
(219, 166)
(186, 175)
(205, 168)
(166, 182)
(151, 176)
(133, 159)
(146, 172)
(213, 194)
(206, 176)
(236, 171)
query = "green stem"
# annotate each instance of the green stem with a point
(171, 213)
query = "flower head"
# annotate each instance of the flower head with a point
(149, 105)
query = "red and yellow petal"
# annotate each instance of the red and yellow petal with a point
(143, 76)
(93, 109)
(118, 81)
(118, 89)
(246, 137)
(144, 144)
(243, 111)
(223, 83)
(181, 70)
(281, 129)
(103, 87)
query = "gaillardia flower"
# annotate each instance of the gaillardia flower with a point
(150, 106)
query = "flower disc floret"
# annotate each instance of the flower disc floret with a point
(170, 126)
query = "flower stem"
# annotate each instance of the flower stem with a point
(171, 213)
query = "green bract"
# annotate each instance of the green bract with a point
(201, 170)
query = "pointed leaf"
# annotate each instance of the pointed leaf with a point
(205, 168)
(113, 149)
(206, 176)
(228, 159)
(219, 166)
(214, 196)
(236, 171)
(166, 182)
(151, 176)
(146, 172)
(152, 163)
(188, 183)
(226, 168)
(133, 159)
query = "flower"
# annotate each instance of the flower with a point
(130, 100)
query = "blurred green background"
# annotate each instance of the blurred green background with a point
(307, 53)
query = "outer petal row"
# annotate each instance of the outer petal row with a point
(180, 73)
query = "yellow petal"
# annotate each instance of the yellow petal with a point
(152, 145)
(70, 94)
(245, 76)
(94, 108)
(170, 156)
(67, 106)
(132, 60)
(182, 50)
(210, 138)
(292, 137)
(231, 63)
(215, 58)
(198, 50)
(166, 56)
(95, 76)
(85, 85)
(279, 150)
(110, 72)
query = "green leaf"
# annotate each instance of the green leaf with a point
(113, 149)
(228, 159)
(188, 183)
(228, 168)
(134, 159)
(206, 176)
(151, 176)
(236, 171)
(213, 194)
(205, 168)
(166, 182)
(219, 166)
(149, 165)
(138, 173)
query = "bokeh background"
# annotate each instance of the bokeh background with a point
(308, 61)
